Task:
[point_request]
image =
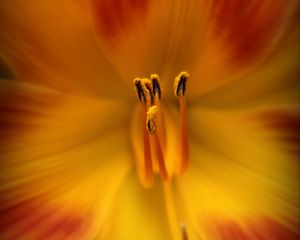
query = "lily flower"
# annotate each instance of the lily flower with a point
(140, 119)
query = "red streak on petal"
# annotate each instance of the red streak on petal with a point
(286, 124)
(12, 214)
(247, 26)
(44, 222)
(282, 121)
(261, 229)
(275, 230)
(231, 231)
(19, 112)
(114, 16)
(65, 227)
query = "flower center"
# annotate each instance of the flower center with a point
(154, 130)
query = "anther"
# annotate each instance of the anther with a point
(147, 90)
(139, 90)
(180, 83)
(157, 93)
(156, 85)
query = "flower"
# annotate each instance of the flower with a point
(73, 141)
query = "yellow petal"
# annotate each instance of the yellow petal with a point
(62, 161)
(243, 174)
(52, 44)
(138, 213)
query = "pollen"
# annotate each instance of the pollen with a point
(139, 90)
(156, 87)
(147, 90)
(151, 122)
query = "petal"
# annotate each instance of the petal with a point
(52, 44)
(273, 82)
(242, 42)
(218, 42)
(260, 229)
(137, 213)
(143, 37)
(132, 33)
(5, 72)
(244, 173)
(60, 169)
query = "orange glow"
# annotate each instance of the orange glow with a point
(218, 159)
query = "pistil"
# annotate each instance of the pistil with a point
(151, 124)
(157, 92)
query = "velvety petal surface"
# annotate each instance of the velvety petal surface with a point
(275, 81)
(138, 213)
(63, 160)
(237, 40)
(133, 34)
(243, 178)
(51, 43)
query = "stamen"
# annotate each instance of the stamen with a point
(149, 93)
(151, 124)
(157, 93)
(179, 88)
(184, 234)
(143, 95)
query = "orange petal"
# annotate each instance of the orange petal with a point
(130, 34)
(238, 40)
(113, 18)
(216, 42)
(247, 28)
(273, 82)
(52, 44)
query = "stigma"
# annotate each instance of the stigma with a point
(149, 94)
(151, 122)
